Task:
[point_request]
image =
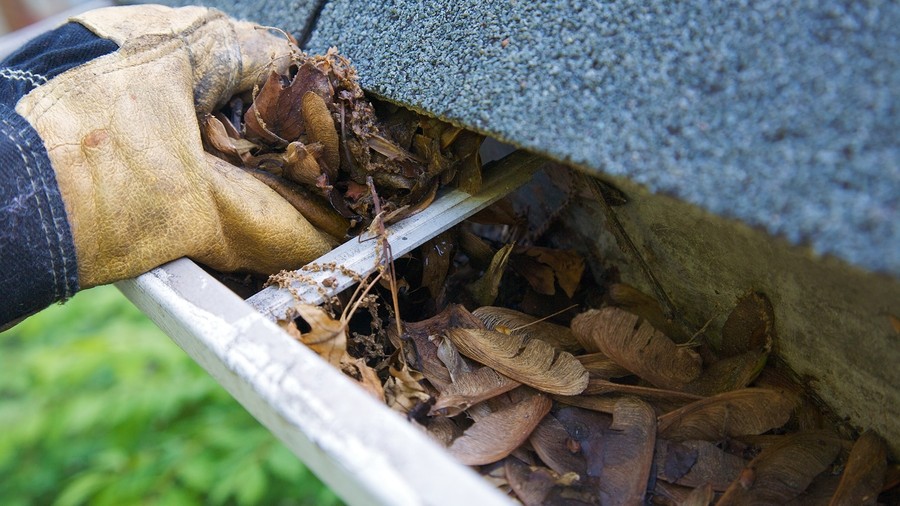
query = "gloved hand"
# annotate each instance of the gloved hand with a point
(122, 136)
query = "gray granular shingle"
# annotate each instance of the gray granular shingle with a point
(780, 114)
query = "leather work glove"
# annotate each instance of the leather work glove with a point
(114, 97)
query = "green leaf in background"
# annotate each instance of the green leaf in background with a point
(98, 406)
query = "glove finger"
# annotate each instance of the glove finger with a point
(258, 230)
(226, 56)
(262, 50)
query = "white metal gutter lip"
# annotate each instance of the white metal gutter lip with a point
(366, 452)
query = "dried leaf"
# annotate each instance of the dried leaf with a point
(597, 386)
(601, 366)
(443, 430)
(471, 388)
(216, 134)
(300, 165)
(695, 463)
(538, 485)
(643, 350)
(320, 128)
(455, 363)
(426, 335)
(486, 288)
(531, 362)
(437, 255)
(729, 373)
(637, 302)
(700, 496)
(273, 116)
(368, 379)
(669, 494)
(819, 492)
(403, 390)
(749, 327)
(783, 471)
(626, 454)
(495, 436)
(521, 324)
(864, 472)
(479, 252)
(731, 414)
(542, 266)
(314, 75)
(328, 337)
(556, 448)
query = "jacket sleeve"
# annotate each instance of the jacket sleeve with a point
(37, 254)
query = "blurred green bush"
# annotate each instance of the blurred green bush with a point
(98, 406)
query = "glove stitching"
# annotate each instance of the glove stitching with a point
(7, 132)
(23, 75)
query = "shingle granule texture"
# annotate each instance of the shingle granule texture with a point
(782, 115)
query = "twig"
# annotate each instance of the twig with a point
(387, 260)
(627, 245)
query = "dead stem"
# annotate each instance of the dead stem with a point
(628, 246)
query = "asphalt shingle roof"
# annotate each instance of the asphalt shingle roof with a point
(783, 115)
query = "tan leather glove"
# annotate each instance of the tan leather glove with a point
(123, 137)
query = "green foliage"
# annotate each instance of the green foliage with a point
(98, 406)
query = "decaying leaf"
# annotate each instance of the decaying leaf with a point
(477, 249)
(273, 115)
(536, 486)
(471, 388)
(700, 496)
(443, 430)
(556, 448)
(486, 288)
(495, 436)
(517, 323)
(544, 267)
(731, 373)
(731, 414)
(403, 390)
(299, 163)
(641, 349)
(453, 360)
(749, 327)
(783, 471)
(437, 255)
(864, 472)
(637, 302)
(216, 134)
(426, 335)
(367, 378)
(696, 463)
(529, 361)
(627, 453)
(327, 337)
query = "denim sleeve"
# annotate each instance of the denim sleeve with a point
(37, 253)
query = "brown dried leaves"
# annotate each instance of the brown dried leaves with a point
(741, 412)
(529, 361)
(637, 346)
(497, 434)
(314, 126)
